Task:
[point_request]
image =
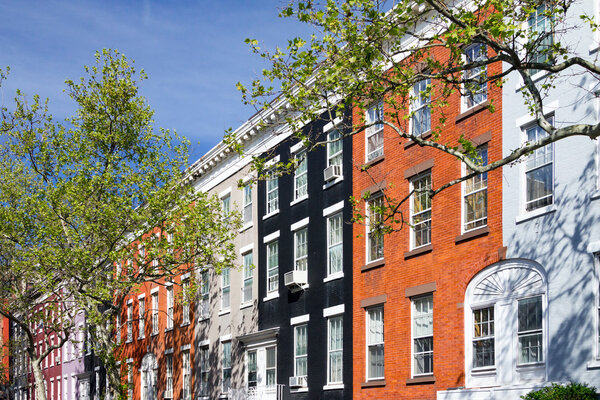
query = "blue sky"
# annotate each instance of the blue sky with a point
(193, 52)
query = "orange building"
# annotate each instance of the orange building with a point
(409, 286)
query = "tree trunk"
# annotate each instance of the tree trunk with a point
(38, 376)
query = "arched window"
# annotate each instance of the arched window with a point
(506, 325)
(148, 379)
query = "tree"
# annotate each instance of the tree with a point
(365, 51)
(81, 199)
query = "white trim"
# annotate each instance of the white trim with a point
(550, 208)
(299, 199)
(130, 301)
(272, 162)
(270, 237)
(301, 319)
(269, 215)
(333, 277)
(128, 361)
(333, 386)
(271, 296)
(332, 311)
(299, 225)
(224, 312)
(593, 247)
(246, 249)
(225, 193)
(141, 296)
(155, 290)
(185, 347)
(333, 208)
(245, 227)
(529, 119)
(169, 350)
(246, 305)
(332, 124)
(247, 179)
(185, 276)
(333, 182)
(297, 147)
(204, 343)
(168, 284)
(225, 338)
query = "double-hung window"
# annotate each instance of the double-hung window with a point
(301, 249)
(475, 86)
(226, 367)
(335, 342)
(129, 381)
(204, 295)
(539, 172)
(375, 212)
(204, 369)
(300, 350)
(117, 329)
(334, 148)
(186, 370)
(475, 195)
(375, 343)
(540, 29)
(247, 211)
(272, 192)
(420, 210)
(252, 369)
(335, 244)
(185, 288)
(529, 330)
(141, 317)
(374, 131)
(170, 307)
(155, 313)
(301, 176)
(422, 332)
(225, 289)
(169, 377)
(247, 277)
(271, 366)
(272, 266)
(420, 120)
(129, 322)
(483, 338)
(226, 206)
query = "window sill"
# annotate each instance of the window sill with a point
(370, 163)
(593, 364)
(224, 312)
(472, 234)
(333, 386)
(154, 334)
(419, 380)
(411, 143)
(333, 277)
(168, 329)
(141, 337)
(372, 265)
(418, 251)
(271, 296)
(203, 319)
(299, 200)
(595, 194)
(245, 227)
(129, 341)
(535, 213)
(183, 325)
(594, 48)
(267, 216)
(535, 365)
(245, 305)
(329, 184)
(482, 371)
(373, 383)
(472, 111)
(300, 390)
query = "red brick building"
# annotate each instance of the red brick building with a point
(409, 286)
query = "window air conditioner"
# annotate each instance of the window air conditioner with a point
(332, 172)
(297, 381)
(294, 280)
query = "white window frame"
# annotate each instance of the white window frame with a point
(155, 305)
(204, 295)
(480, 222)
(474, 74)
(300, 356)
(170, 306)
(374, 344)
(331, 352)
(415, 337)
(141, 317)
(247, 277)
(538, 17)
(335, 246)
(226, 366)
(271, 188)
(117, 331)
(538, 331)
(129, 321)
(272, 270)
(374, 239)
(548, 148)
(129, 380)
(333, 141)
(270, 369)
(251, 384)
(413, 214)
(168, 376)
(490, 336)
(186, 375)
(301, 249)
(420, 105)
(374, 112)
(185, 307)
(247, 203)
(300, 172)
(225, 289)
(204, 370)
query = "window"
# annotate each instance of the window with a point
(226, 206)
(420, 121)
(226, 366)
(155, 313)
(129, 381)
(422, 332)
(335, 244)
(117, 328)
(251, 369)
(301, 176)
(185, 288)
(300, 350)
(375, 343)
(271, 366)
(420, 213)
(141, 317)
(529, 332)
(335, 341)
(539, 172)
(204, 298)
(301, 249)
(225, 287)
(475, 86)
(247, 212)
(483, 337)
(247, 276)
(334, 148)
(204, 368)
(170, 307)
(475, 196)
(375, 211)
(374, 133)
(273, 266)
(540, 27)
(186, 375)
(129, 322)
(272, 192)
